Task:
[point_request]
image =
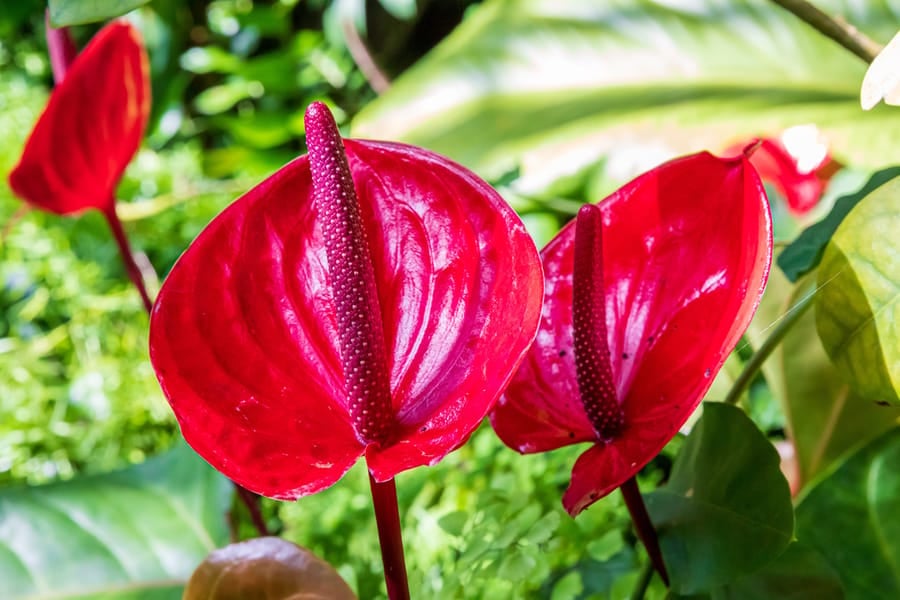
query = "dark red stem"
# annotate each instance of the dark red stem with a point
(134, 272)
(387, 516)
(250, 500)
(644, 527)
(61, 49)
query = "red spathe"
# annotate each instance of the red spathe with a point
(686, 252)
(243, 333)
(91, 128)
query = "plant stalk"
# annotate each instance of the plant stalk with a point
(838, 30)
(134, 272)
(387, 516)
(644, 527)
(249, 499)
(643, 582)
(759, 357)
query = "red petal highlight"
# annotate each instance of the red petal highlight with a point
(91, 128)
(244, 335)
(686, 254)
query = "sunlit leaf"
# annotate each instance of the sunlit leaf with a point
(804, 253)
(76, 12)
(554, 85)
(858, 308)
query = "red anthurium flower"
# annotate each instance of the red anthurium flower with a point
(92, 126)
(797, 164)
(310, 324)
(646, 294)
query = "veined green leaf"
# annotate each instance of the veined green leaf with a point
(137, 533)
(858, 308)
(554, 85)
(726, 510)
(826, 418)
(77, 12)
(850, 518)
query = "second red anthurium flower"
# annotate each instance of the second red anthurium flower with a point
(646, 294)
(370, 303)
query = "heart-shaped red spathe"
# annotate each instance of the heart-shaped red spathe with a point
(91, 128)
(686, 254)
(243, 334)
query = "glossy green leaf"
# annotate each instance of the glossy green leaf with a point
(137, 533)
(800, 573)
(77, 12)
(726, 510)
(805, 252)
(266, 568)
(826, 419)
(850, 517)
(858, 308)
(555, 85)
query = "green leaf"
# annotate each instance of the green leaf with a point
(825, 418)
(454, 522)
(804, 253)
(726, 510)
(77, 12)
(136, 533)
(858, 307)
(555, 85)
(266, 568)
(850, 517)
(800, 573)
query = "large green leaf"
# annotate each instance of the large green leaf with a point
(800, 573)
(826, 419)
(804, 253)
(76, 12)
(726, 510)
(137, 533)
(553, 85)
(858, 308)
(850, 517)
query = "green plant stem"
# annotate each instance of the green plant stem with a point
(644, 527)
(838, 30)
(643, 582)
(387, 516)
(788, 320)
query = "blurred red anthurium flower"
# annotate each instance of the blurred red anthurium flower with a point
(310, 324)
(646, 294)
(796, 163)
(92, 125)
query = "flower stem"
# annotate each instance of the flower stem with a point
(838, 30)
(251, 501)
(387, 516)
(134, 274)
(643, 581)
(759, 357)
(643, 526)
